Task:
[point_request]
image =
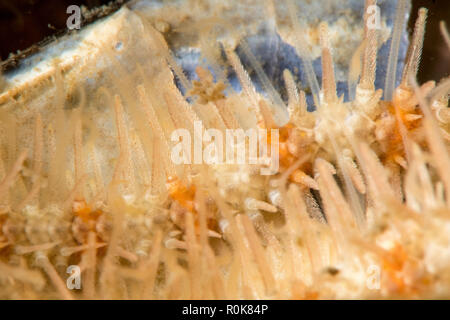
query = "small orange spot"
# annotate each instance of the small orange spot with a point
(393, 266)
(311, 295)
(287, 159)
(85, 213)
(183, 195)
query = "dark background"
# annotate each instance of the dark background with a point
(27, 22)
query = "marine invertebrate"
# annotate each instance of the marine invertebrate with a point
(363, 185)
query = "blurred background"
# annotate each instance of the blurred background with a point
(27, 22)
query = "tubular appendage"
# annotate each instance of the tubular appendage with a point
(415, 48)
(370, 51)
(391, 71)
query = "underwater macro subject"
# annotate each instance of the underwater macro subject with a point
(226, 150)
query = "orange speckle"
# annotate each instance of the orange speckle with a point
(184, 195)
